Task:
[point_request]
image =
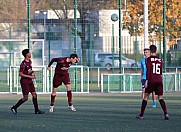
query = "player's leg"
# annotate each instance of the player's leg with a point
(143, 93)
(66, 81)
(143, 88)
(34, 97)
(163, 105)
(143, 106)
(53, 95)
(159, 92)
(25, 91)
(154, 100)
(34, 100)
(69, 96)
(20, 102)
(35, 103)
(148, 90)
(57, 81)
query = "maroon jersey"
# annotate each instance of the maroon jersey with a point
(26, 68)
(62, 65)
(154, 69)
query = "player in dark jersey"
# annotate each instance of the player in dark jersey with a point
(27, 74)
(153, 82)
(143, 76)
(62, 75)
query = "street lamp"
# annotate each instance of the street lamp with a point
(44, 35)
(44, 23)
(164, 36)
(28, 21)
(114, 18)
(136, 30)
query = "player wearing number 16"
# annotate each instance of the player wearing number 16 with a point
(154, 82)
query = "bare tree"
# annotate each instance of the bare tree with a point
(84, 7)
(13, 14)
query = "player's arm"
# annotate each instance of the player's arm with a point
(141, 74)
(161, 68)
(141, 70)
(148, 69)
(146, 84)
(21, 74)
(52, 61)
(147, 72)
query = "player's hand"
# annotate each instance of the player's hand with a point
(78, 60)
(33, 77)
(146, 84)
(33, 74)
(49, 68)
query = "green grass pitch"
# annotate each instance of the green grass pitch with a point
(95, 113)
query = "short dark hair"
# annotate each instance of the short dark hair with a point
(73, 56)
(25, 52)
(153, 48)
(146, 49)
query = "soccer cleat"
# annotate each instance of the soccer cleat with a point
(153, 106)
(139, 117)
(14, 110)
(72, 108)
(166, 117)
(51, 109)
(39, 112)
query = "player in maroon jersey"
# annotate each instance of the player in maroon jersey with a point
(62, 75)
(153, 82)
(27, 74)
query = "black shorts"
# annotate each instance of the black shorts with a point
(58, 79)
(27, 87)
(155, 86)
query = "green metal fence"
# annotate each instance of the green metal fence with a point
(130, 83)
(85, 27)
(44, 80)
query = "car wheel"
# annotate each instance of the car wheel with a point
(108, 66)
(134, 65)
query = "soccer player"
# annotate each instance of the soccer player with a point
(154, 82)
(143, 76)
(62, 75)
(27, 74)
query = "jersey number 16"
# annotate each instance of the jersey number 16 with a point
(156, 68)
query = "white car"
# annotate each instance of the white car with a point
(98, 56)
(126, 62)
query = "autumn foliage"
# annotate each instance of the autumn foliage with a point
(134, 19)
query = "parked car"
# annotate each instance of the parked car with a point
(98, 56)
(126, 62)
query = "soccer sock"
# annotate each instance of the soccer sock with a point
(69, 95)
(52, 100)
(143, 106)
(163, 105)
(20, 102)
(35, 104)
